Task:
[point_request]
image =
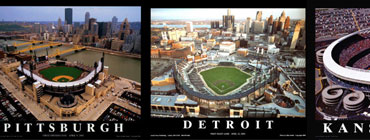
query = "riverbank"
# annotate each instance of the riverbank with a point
(118, 53)
(132, 55)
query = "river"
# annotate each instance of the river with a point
(129, 68)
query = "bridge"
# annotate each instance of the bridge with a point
(26, 43)
(31, 47)
(59, 53)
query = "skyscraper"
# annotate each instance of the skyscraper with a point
(258, 27)
(114, 24)
(95, 28)
(259, 16)
(248, 23)
(68, 16)
(189, 26)
(124, 30)
(87, 18)
(281, 21)
(282, 17)
(287, 22)
(215, 24)
(228, 20)
(60, 28)
(270, 20)
(295, 35)
(76, 25)
(104, 29)
(274, 27)
(91, 23)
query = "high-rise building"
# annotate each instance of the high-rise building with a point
(275, 27)
(60, 28)
(295, 35)
(248, 23)
(67, 28)
(189, 26)
(104, 29)
(76, 26)
(228, 20)
(124, 30)
(215, 24)
(95, 28)
(237, 28)
(281, 21)
(282, 17)
(91, 23)
(258, 27)
(87, 18)
(114, 24)
(68, 16)
(287, 23)
(259, 16)
(270, 20)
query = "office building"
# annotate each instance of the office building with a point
(68, 16)
(114, 24)
(189, 26)
(228, 21)
(295, 35)
(215, 24)
(259, 16)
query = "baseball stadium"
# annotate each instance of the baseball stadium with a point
(61, 77)
(346, 67)
(67, 88)
(222, 82)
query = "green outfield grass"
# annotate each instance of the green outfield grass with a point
(65, 74)
(224, 79)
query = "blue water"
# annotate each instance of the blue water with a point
(180, 26)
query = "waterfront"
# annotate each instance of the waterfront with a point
(129, 68)
(121, 66)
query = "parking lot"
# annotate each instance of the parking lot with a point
(118, 113)
(11, 109)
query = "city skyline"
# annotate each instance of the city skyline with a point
(52, 13)
(215, 14)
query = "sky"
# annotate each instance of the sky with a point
(216, 14)
(50, 13)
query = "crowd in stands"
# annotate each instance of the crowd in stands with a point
(363, 63)
(352, 51)
(197, 81)
(335, 22)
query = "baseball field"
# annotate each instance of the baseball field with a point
(224, 79)
(61, 73)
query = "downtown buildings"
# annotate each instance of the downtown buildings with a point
(187, 58)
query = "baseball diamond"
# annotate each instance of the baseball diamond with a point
(61, 73)
(224, 79)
